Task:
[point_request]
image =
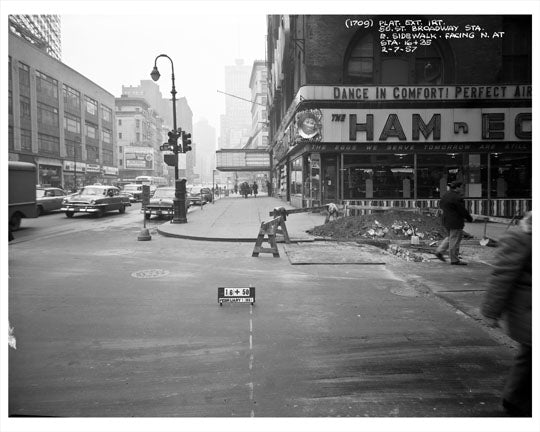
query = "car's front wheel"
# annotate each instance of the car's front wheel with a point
(69, 214)
(122, 209)
(39, 210)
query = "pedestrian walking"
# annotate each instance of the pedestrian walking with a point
(255, 188)
(454, 215)
(245, 189)
(509, 296)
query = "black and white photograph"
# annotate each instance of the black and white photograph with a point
(238, 216)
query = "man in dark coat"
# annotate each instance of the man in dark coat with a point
(509, 296)
(453, 219)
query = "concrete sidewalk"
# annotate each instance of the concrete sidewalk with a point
(235, 218)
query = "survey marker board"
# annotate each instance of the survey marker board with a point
(236, 295)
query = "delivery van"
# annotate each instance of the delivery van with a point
(22, 193)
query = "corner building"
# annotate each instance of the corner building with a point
(59, 120)
(362, 110)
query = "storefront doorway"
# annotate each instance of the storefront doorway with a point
(329, 179)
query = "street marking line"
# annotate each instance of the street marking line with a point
(251, 359)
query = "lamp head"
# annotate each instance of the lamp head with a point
(155, 74)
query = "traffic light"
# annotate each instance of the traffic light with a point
(186, 142)
(173, 141)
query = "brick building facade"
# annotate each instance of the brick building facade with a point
(389, 109)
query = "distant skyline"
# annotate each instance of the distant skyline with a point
(115, 52)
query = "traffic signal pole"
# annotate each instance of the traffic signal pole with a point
(179, 202)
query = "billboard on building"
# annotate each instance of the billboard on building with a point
(138, 158)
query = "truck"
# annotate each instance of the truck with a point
(22, 193)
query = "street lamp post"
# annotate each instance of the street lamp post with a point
(179, 202)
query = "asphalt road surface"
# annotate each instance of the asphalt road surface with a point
(109, 326)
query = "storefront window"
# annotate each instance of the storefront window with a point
(388, 176)
(511, 175)
(296, 176)
(435, 171)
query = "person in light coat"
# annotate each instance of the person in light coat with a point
(509, 296)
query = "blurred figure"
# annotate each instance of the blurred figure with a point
(454, 215)
(255, 188)
(245, 189)
(509, 296)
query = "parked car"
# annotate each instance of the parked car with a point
(135, 190)
(130, 196)
(161, 204)
(199, 195)
(49, 199)
(97, 200)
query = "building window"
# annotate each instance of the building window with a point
(92, 154)
(46, 85)
(106, 134)
(26, 140)
(72, 97)
(91, 106)
(516, 50)
(47, 115)
(137, 123)
(24, 75)
(107, 157)
(368, 64)
(10, 103)
(90, 130)
(106, 113)
(72, 123)
(119, 122)
(11, 138)
(119, 135)
(48, 144)
(360, 65)
(138, 138)
(25, 107)
(73, 150)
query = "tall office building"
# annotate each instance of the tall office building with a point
(205, 138)
(43, 31)
(149, 91)
(236, 123)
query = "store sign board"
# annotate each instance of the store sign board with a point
(426, 125)
(415, 93)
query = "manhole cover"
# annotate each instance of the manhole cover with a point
(147, 274)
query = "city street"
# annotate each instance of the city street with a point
(109, 326)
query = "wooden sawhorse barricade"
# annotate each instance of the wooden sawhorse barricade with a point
(267, 233)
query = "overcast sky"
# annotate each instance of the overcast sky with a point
(116, 50)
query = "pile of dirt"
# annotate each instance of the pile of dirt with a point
(389, 224)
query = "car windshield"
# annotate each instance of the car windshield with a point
(132, 188)
(195, 190)
(40, 193)
(164, 193)
(93, 191)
